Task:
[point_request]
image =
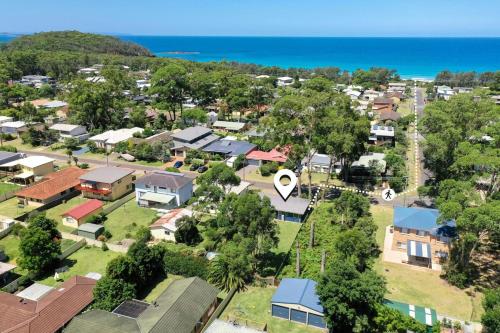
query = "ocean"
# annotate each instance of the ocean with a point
(411, 57)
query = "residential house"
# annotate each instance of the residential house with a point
(35, 292)
(463, 90)
(353, 94)
(107, 183)
(496, 99)
(260, 77)
(418, 233)
(54, 186)
(27, 169)
(284, 81)
(35, 81)
(82, 213)
(387, 115)
(8, 157)
(5, 119)
(184, 307)
(366, 162)
(321, 163)
(258, 157)
(296, 300)
(88, 71)
(163, 190)
(370, 95)
(164, 228)
(14, 127)
(381, 135)
(51, 312)
(197, 137)
(67, 131)
(426, 316)
(229, 126)
(230, 148)
(109, 139)
(382, 103)
(444, 92)
(5, 271)
(294, 209)
(397, 86)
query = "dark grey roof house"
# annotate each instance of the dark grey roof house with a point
(230, 147)
(196, 137)
(184, 307)
(6, 157)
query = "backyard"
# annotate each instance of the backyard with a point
(7, 187)
(287, 233)
(10, 246)
(126, 219)
(10, 208)
(420, 286)
(252, 307)
(83, 261)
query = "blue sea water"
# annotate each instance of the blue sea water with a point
(411, 57)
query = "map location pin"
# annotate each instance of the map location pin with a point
(285, 190)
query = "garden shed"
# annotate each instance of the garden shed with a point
(90, 230)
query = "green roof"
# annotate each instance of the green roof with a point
(102, 321)
(179, 307)
(426, 316)
(176, 310)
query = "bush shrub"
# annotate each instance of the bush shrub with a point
(265, 171)
(107, 234)
(172, 169)
(185, 265)
(11, 149)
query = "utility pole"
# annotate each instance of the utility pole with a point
(297, 261)
(323, 261)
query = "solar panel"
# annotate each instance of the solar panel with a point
(132, 308)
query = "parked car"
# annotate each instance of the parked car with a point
(178, 164)
(193, 167)
(202, 169)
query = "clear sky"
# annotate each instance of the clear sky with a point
(256, 17)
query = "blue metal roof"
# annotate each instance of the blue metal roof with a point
(230, 147)
(422, 219)
(298, 291)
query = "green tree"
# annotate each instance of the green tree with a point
(391, 320)
(355, 245)
(187, 232)
(491, 316)
(38, 250)
(350, 298)
(138, 117)
(231, 268)
(194, 116)
(109, 293)
(349, 207)
(48, 225)
(170, 84)
(220, 175)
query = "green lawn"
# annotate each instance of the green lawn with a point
(253, 308)
(83, 261)
(10, 246)
(55, 212)
(422, 287)
(7, 187)
(287, 233)
(160, 287)
(10, 208)
(125, 220)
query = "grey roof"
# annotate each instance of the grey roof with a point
(255, 133)
(198, 144)
(165, 179)
(179, 307)
(320, 159)
(6, 157)
(230, 147)
(292, 205)
(90, 227)
(190, 134)
(176, 310)
(106, 175)
(35, 291)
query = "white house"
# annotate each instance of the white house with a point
(70, 131)
(163, 190)
(285, 81)
(353, 94)
(381, 134)
(321, 162)
(397, 86)
(13, 127)
(164, 228)
(5, 119)
(445, 92)
(109, 139)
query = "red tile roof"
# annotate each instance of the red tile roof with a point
(272, 156)
(53, 184)
(84, 209)
(50, 313)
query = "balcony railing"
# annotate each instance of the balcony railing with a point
(93, 190)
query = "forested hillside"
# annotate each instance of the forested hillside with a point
(75, 41)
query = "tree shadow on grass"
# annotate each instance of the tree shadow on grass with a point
(145, 290)
(269, 263)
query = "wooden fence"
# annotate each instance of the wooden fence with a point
(118, 203)
(5, 231)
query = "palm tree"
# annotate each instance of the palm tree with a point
(226, 275)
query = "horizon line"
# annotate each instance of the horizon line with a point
(253, 36)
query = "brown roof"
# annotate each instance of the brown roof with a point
(53, 183)
(383, 100)
(389, 115)
(50, 313)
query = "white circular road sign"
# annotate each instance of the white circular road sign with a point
(388, 194)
